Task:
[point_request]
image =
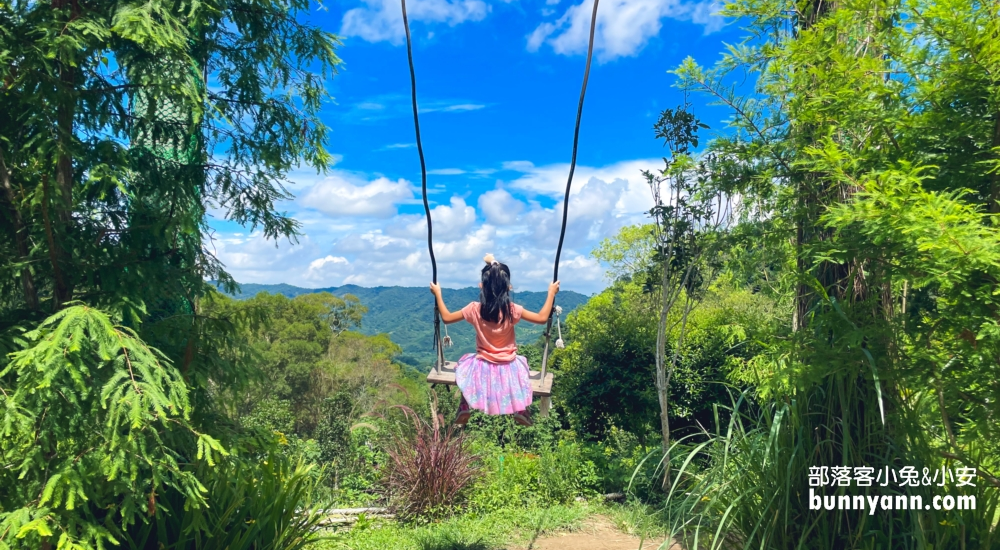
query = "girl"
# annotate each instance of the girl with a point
(494, 379)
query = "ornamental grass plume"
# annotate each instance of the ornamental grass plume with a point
(428, 471)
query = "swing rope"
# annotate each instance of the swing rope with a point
(569, 185)
(423, 187)
(438, 344)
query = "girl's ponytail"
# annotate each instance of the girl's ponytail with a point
(494, 293)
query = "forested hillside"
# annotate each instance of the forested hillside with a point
(406, 314)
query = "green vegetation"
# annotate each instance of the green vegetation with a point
(817, 287)
(852, 175)
(112, 148)
(405, 315)
(490, 531)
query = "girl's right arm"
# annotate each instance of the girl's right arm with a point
(542, 316)
(446, 316)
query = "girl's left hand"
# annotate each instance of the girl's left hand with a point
(435, 289)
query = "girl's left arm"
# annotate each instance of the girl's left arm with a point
(446, 316)
(542, 316)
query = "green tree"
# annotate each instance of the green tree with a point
(121, 124)
(853, 159)
(688, 224)
(317, 379)
(608, 369)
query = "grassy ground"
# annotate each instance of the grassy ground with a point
(638, 520)
(505, 529)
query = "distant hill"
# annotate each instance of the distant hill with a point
(407, 314)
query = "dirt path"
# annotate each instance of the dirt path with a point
(597, 534)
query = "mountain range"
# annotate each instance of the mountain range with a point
(407, 315)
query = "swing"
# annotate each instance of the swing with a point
(444, 371)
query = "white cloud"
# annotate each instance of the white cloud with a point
(446, 172)
(500, 207)
(593, 215)
(451, 221)
(259, 257)
(355, 233)
(438, 106)
(322, 269)
(518, 165)
(382, 20)
(551, 181)
(394, 105)
(342, 194)
(469, 248)
(623, 27)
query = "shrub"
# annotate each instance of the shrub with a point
(252, 505)
(510, 479)
(358, 478)
(623, 464)
(427, 472)
(555, 475)
(564, 473)
(502, 430)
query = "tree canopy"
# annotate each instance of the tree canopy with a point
(122, 125)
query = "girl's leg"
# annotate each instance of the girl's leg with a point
(523, 418)
(464, 412)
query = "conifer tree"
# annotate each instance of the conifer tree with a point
(122, 123)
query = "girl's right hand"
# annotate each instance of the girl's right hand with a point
(435, 289)
(553, 288)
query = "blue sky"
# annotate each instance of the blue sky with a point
(498, 84)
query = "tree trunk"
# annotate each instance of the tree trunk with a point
(63, 205)
(662, 384)
(807, 197)
(20, 237)
(54, 251)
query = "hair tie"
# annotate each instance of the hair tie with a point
(490, 260)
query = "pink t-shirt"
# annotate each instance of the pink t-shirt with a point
(494, 341)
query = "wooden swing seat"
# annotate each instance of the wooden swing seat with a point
(446, 376)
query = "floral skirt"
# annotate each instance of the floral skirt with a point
(494, 388)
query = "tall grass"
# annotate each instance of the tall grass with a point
(745, 486)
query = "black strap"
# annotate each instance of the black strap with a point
(423, 175)
(572, 169)
(576, 142)
(423, 170)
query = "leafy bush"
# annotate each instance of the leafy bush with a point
(625, 465)
(510, 480)
(516, 478)
(361, 469)
(503, 431)
(565, 473)
(95, 424)
(428, 471)
(251, 504)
